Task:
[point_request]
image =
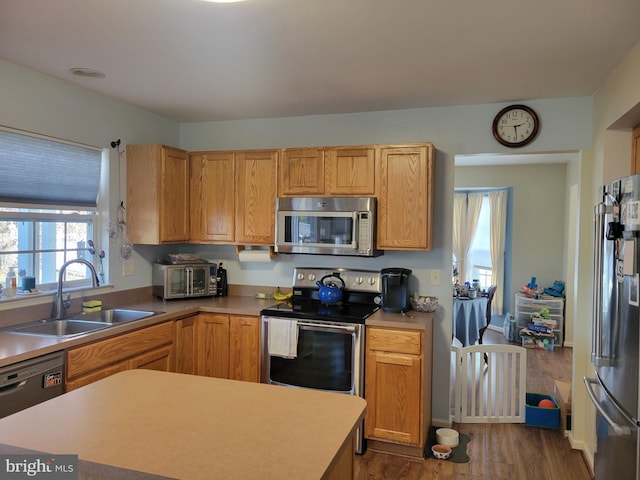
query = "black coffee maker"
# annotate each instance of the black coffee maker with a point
(395, 289)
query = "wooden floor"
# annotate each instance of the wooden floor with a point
(497, 451)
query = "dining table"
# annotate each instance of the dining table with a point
(469, 316)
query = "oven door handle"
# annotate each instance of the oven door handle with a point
(325, 327)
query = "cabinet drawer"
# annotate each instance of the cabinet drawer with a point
(392, 340)
(85, 359)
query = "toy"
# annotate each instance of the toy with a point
(546, 403)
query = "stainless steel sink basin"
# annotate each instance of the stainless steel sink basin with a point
(113, 315)
(59, 328)
(81, 323)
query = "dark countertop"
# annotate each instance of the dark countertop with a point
(15, 347)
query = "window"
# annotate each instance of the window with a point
(48, 215)
(480, 251)
(38, 243)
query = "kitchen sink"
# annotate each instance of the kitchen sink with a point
(59, 328)
(81, 323)
(113, 315)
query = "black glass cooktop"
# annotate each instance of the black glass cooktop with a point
(315, 310)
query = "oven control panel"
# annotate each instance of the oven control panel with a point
(354, 280)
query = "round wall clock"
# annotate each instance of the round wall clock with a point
(515, 125)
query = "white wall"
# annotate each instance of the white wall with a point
(616, 108)
(49, 106)
(538, 243)
(43, 104)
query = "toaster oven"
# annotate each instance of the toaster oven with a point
(184, 280)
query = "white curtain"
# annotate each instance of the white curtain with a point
(498, 225)
(466, 211)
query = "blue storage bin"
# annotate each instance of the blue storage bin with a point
(541, 417)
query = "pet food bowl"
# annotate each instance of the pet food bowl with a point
(441, 451)
(448, 437)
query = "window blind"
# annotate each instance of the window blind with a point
(44, 171)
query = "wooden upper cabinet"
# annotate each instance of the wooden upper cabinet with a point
(212, 197)
(327, 171)
(301, 172)
(405, 202)
(157, 194)
(350, 171)
(256, 187)
(635, 150)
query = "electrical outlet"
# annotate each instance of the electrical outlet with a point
(435, 277)
(127, 268)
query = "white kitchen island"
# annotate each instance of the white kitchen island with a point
(192, 427)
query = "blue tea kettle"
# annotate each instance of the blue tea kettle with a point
(328, 290)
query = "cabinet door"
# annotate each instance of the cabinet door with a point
(405, 202)
(255, 197)
(393, 390)
(174, 196)
(212, 197)
(350, 171)
(157, 194)
(635, 150)
(301, 172)
(159, 359)
(214, 341)
(187, 345)
(244, 351)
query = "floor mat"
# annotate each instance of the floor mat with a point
(458, 454)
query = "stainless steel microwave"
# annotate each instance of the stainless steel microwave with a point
(184, 280)
(327, 225)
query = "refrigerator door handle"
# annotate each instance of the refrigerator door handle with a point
(600, 212)
(618, 429)
(596, 343)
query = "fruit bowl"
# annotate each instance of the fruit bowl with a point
(424, 303)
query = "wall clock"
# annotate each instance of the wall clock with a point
(515, 125)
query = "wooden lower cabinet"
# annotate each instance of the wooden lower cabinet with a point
(150, 347)
(396, 388)
(213, 336)
(219, 345)
(187, 345)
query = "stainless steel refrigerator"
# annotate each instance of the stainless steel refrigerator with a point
(616, 335)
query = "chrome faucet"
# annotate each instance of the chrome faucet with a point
(61, 305)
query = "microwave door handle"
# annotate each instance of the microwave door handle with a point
(355, 229)
(189, 280)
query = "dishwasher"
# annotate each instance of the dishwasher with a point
(30, 382)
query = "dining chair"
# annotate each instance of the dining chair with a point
(490, 293)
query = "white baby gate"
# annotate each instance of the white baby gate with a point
(490, 384)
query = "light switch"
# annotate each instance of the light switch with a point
(127, 268)
(435, 277)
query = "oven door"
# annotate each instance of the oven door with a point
(329, 357)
